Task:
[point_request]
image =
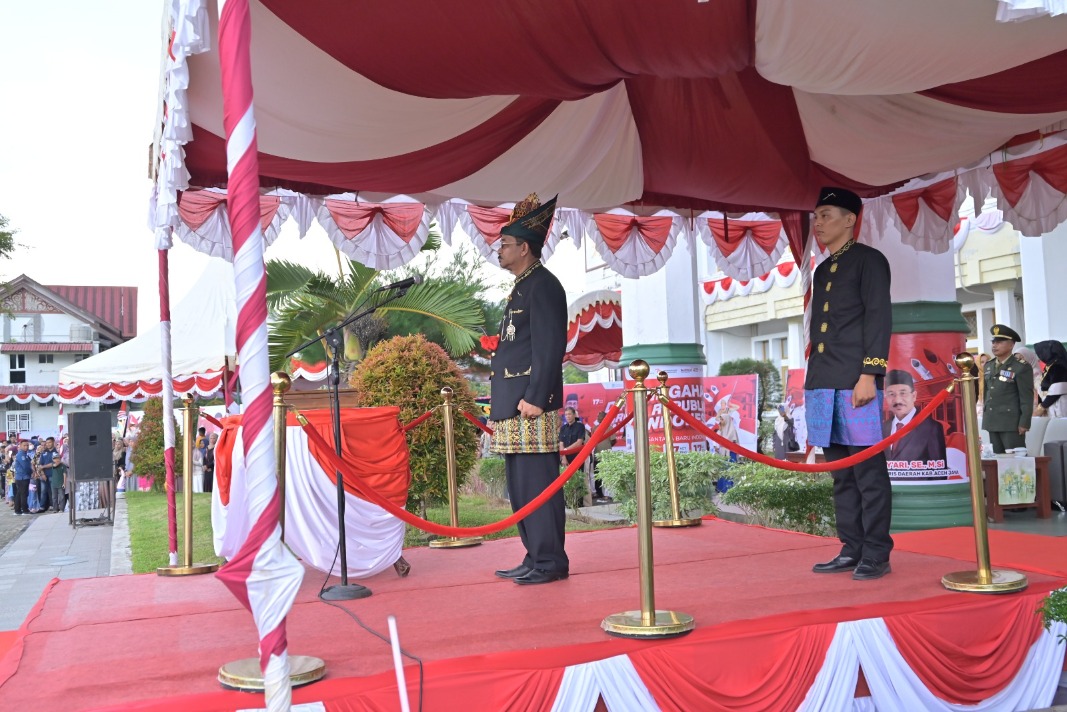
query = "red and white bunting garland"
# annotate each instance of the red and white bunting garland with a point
(784, 275)
(167, 390)
(205, 385)
(745, 247)
(204, 221)
(635, 245)
(263, 575)
(381, 235)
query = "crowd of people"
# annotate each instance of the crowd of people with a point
(36, 475)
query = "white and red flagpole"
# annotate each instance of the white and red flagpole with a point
(264, 575)
(168, 404)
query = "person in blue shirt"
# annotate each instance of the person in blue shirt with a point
(23, 473)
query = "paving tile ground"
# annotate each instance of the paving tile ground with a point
(36, 548)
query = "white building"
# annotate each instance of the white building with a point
(46, 328)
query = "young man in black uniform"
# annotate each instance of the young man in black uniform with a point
(527, 391)
(851, 323)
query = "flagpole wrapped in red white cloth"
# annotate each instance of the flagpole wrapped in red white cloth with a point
(168, 404)
(263, 575)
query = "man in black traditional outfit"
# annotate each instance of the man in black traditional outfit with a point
(851, 324)
(527, 391)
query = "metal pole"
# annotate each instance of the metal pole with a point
(676, 519)
(281, 383)
(187, 481)
(985, 579)
(648, 622)
(453, 480)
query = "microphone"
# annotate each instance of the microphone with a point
(402, 284)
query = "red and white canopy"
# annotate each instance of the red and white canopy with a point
(204, 336)
(594, 331)
(679, 105)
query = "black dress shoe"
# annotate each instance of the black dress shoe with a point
(837, 565)
(536, 576)
(870, 569)
(520, 570)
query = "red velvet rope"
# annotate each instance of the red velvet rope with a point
(337, 463)
(211, 419)
(619, 427)
(479, 424)
(814, 467)
(418, 421)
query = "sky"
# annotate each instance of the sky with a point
(79, 87)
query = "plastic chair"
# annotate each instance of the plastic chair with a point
(1035, 436)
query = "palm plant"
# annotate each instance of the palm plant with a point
(305, 303)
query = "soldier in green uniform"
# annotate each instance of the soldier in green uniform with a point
(527, 391)
(1009, 392)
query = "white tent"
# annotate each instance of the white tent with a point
(203, 335)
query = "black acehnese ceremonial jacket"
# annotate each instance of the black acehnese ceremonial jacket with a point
(528, 361)
(851, 318)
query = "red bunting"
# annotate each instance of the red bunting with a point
(353, 218)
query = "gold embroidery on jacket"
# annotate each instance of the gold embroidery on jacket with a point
(509, 374)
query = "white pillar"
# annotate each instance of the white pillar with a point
(1043, 260)
(1006, 307)
(665, 306)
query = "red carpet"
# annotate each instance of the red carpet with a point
(1007, 550)
(112, 642)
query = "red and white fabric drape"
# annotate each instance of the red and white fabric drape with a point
(635, 245)
(205, 385)
(815, 668)
(594, 331)
(1030, 189)
(375, 538)
(381, 235)
(262, 574)
(783, 275)
(483, 224)
(204, 220)
(1023, 10)
(744, 248)
(925, 216)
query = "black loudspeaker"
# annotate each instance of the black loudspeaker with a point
(90, 446)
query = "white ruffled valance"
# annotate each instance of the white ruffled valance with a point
(381, 235)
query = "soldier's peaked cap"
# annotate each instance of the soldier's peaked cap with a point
(999, 331)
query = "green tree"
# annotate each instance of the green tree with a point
(770, 387)
(304, 303)
(148, 459)
(571, 374)
(409, 372)
(463, 277)
(7, 238)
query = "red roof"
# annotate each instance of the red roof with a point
(32, 347)
(116, 306)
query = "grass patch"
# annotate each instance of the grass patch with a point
(147, 512)
(478, 510)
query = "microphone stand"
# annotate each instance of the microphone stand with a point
(335, 338)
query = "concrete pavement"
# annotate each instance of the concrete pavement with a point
(45, 546)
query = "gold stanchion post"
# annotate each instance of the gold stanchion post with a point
(647, 622)
(985, 579)
(452, 542)
(281, 383)
(187, 567)
(676, 520)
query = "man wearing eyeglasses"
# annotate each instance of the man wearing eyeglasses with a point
(527, 391)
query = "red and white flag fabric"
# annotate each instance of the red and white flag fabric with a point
(263, 574)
